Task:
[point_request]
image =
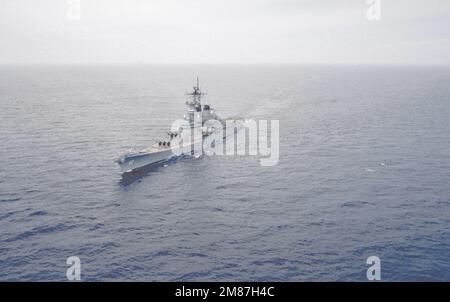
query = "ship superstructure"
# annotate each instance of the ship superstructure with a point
(163, 150)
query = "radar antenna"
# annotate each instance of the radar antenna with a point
(196, 93)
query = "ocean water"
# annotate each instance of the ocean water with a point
(364, 170)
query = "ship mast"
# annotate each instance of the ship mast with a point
(196, 95)
(194, 103)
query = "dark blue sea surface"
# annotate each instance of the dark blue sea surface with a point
(364, 170)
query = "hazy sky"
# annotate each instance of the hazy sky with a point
(225, 31)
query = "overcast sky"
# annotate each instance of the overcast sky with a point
(225, 31)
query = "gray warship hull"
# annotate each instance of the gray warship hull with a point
(131, 162)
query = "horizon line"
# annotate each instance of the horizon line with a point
(220, 63)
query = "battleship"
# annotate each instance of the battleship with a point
(168, 148)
